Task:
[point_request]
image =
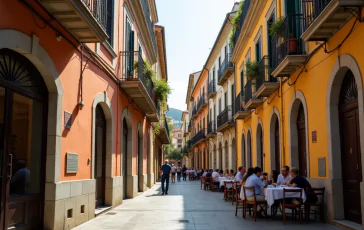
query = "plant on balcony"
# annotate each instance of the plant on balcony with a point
(235, 23)
(156, 128)
(162, 90)
(276, 28)
(252, 70)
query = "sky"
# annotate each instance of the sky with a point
(191, 28)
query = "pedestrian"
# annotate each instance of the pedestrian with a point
(184, 173)
(179, 172)
(166, 170)
(173, 173)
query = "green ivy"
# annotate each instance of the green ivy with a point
(277, 28)
(252, 69)
(235, 23)
(162, 90)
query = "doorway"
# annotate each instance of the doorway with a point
(125, 156)
(249, 149)
(301, 131)
(350, 148)
(277, 146)
(260, 147)
(226, 156)
(100, 156)
(139, 160)
(23, 100)
(220, 156)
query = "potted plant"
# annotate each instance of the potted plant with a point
(131, 73)
(292, 43)
(252, 70)
(277, 28)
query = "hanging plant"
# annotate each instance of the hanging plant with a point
(277, 27)
(156, 128)
(252, 70)
(235, 23)
(162, 90)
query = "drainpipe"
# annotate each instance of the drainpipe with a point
(282, 124)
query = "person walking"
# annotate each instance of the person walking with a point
(184, 173)
(179, 171)
(166, 170)
(173, 173)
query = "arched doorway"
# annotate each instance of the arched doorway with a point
(301, 131)
(125, 169)
(100, 156)
(214, 166)
(249, 149)
(275, 149)
(277, 146)
(220, 155)
(350, 147)
(139, 160)
(243, 152)
(259, 142)
(234, 157)
(226, 152)
(23, 125)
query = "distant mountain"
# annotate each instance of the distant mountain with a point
(176, 115)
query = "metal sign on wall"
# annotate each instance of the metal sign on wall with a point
(314, 136)
(72, 163)
(67, 120)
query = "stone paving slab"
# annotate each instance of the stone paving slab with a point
(186, 207)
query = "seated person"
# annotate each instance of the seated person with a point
(247, 175)
(284, 177)
(226, 174)
(255, 181)
(240, 175)
(232, 174)
(273, 177)
(204, 174)
(221, 173)
(300, 182)
(216, 175)
(209, 173)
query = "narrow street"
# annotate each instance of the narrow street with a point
(185, 207)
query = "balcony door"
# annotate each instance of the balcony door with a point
(23, 100)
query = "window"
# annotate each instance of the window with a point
(219, 105)
(110, 21)
(226, 51)
(258, 50)
(129, 46)
(225, 99)
(213, 74)
(219, 62)
(140, 49)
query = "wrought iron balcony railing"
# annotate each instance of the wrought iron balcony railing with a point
(239, 102)
(189, 144)
(311, 10)
(199, 136)
(225, 116)
(248, 91)
(265, 72)
(288, 42)
(242, 19)
(190, 125)
(226, 63)
(211, 128)
(212, 87)
(201, 102)
(194, 111)
(166, 126)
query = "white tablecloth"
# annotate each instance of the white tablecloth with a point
(272, 194)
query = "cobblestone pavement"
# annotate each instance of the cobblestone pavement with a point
(185, 207)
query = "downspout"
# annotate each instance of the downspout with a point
(279, 8)
(283, 157)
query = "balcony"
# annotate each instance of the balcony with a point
(323, 18)
(164, 131)
(189, 146)
(138, 85)
(211, 129)
(226, 70)
(212, 89)
(186, 130)
(225, 119)
(250, 101)
(194, 112)
(288, 53)
(202, 103)
(190, 125)
(266, 85)
(240, 111)
(242, 19)
(199, 137)
(86, 20)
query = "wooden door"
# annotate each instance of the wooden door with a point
(301, 130)
(125, 156)
(350, 148)
(261, 150)
(277, 146)
(100, 156)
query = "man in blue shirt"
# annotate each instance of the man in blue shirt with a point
(166, 170)
(255, 181)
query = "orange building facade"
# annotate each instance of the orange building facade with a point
(77, 112)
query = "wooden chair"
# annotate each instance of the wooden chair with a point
(239, 202)
(207, 183)
(262, 204)
(228, 191)
(236, 190)
(202, 181)
(191, 176)
(315, 198)
(293, 207)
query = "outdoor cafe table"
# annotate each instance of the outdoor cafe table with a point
(271, 194)
(223, 179)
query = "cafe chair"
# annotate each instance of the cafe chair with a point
(293, 206)
(228, 191)
(239, 202)
(191, 176)
(202, 181)
(262, 204)
(315, 199)
(236, 190)
(207, 183)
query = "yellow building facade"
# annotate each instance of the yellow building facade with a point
(304, 106)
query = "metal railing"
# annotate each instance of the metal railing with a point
(189, 144)
(311, 10)
(212, 87)
(194, 111)
(248, 91)
(288, 42)
(225, 116)
(190, 124)
(242, 20)
(134, 70)
(150, 23)
(201, 101)
(166, 125)
(264, 72)
(239, 102)
(226, 63)
(211, 128)
(99, 11)
(199, 136)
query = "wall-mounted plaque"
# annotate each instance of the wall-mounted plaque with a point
(72, 162)
(314, 136)
(67, 120)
